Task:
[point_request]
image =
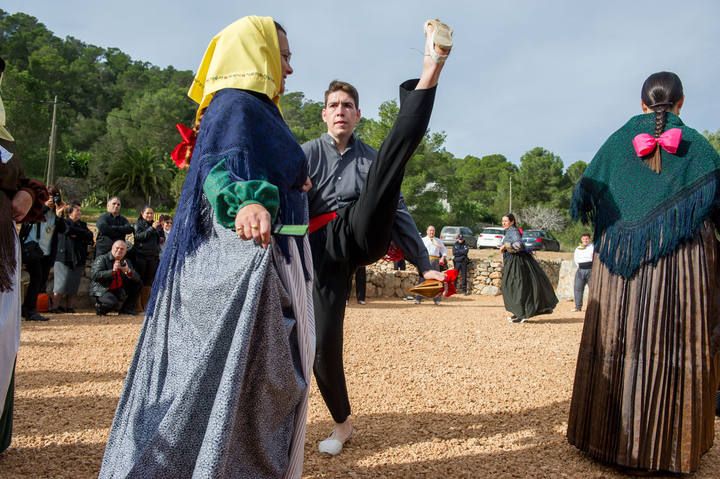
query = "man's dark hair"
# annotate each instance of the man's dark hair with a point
(337, 85)
(584, 235)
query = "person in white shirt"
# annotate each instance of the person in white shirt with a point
(583, 259)
(438, 257)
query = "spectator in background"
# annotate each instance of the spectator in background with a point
(39, 245)
(438, 258)
(72, 252)
(147, 250)
(164, 230)
(115, 283)
(461, 260)
(360, 283)
(111, 226)
(583, 259)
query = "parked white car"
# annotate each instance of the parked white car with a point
(491, 237)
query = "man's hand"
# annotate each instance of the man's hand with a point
(432, 274)
(307, 186)
(21, 204)
(253, 222)
(116, 265)
(124, 267)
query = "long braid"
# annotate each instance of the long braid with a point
(660, 93)
(655, 161)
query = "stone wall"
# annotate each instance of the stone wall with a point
(484, 277)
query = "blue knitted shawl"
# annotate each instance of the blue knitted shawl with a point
(641, 216)
(247, 131)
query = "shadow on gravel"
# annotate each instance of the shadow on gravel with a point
(528, 443)
(81, 319)
(57, 461)
(556, 321)
(402, 304)
(47, 378)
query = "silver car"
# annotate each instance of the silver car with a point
(448, 235)
(491, 237)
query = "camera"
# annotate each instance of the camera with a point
(57, 199)
(123, 263)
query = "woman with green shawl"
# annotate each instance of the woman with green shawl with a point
(647, 371)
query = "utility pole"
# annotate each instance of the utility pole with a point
(510, 197)
(51, 148)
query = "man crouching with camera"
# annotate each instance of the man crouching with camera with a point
(115, 283)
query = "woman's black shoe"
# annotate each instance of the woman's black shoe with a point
(36, 317)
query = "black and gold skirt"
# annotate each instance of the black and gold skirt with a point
(647, 370)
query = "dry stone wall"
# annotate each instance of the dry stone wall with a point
(484, 277)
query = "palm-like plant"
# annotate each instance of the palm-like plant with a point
(142, 173)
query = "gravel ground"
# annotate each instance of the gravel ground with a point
(438, 392)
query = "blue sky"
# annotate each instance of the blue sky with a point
(558, 74)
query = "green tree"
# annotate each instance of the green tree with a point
(540, 180)
(714, 139)
(574, 172)
(143, 176)
(304, 117)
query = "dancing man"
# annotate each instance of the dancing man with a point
(356, 209)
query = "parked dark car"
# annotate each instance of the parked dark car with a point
(540, 240)
(448, 235)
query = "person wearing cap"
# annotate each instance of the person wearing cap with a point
(218, 386)
(356, 210)
(21, 201)
(461, 260)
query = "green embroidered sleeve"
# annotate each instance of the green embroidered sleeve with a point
(227, 197)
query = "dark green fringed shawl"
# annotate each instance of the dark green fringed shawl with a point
(639, 215)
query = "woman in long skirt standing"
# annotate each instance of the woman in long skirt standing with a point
(647, 371)
(219, 383)
(527, 291)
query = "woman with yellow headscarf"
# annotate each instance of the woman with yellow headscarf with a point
(218, 385)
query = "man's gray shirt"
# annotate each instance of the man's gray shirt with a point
(338, 178)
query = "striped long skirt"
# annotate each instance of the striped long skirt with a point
(647, 370)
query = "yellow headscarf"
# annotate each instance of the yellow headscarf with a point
(4, 134)
(244, 55)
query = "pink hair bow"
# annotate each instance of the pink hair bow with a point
(644, 144)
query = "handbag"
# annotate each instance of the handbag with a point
(30, 250)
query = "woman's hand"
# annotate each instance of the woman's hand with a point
(253, 222)
(21, 204)
(307, 186)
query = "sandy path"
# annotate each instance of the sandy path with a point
(438, 392)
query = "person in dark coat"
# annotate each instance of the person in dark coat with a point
(115, 283)
(72, 252)
(40, 242)
(461, 260)
(111, 226)
(148, 235)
